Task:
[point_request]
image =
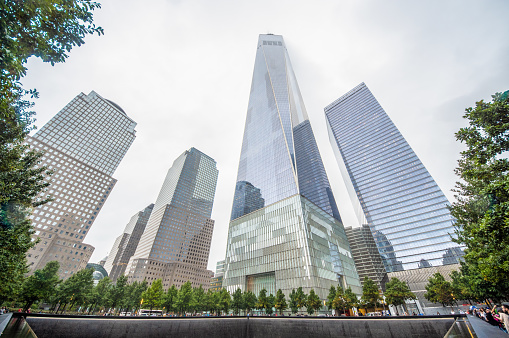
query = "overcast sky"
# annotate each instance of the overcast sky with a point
(182, 70)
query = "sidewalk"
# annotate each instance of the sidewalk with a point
(483, 329)
(4, 320)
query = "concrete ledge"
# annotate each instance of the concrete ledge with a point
(242, 327)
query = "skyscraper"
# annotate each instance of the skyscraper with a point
(125, 245)
(366, 256)
(403, 205)
(285, 229)
(83, 145)
(176, 243)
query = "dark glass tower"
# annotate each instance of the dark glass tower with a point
(285, 229)
(403, 205)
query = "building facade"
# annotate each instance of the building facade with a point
(175, 245)
(285, 230)
(83, 145)
(366, 256)
(404, 207)
(216, 283)
(125, 245)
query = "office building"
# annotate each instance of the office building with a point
(125, 245)
(285, 230)
(216, 283)
(366, 256)
(403, 205)
(175, 245)
(83, 145)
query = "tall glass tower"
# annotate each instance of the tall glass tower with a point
(400, 201)
(285, 229)
(83, 145)
(175, 245)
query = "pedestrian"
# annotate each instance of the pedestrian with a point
(504, 317)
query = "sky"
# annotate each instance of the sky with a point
(182, 70)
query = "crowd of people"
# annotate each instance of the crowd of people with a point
(497, 316)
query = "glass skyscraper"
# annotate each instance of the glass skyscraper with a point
(400, 201)
(285, 230)
(125, 245)
(83, 145)
(175, 245)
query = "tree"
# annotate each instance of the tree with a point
(370, 294)
(482, 194)
(397, 292)
(280, 302)
(237, 301)
(300, 298)
(184, 298)
(41, 285)
(117, 292)
(136, 294)
(170, 299)
(262, 300)
(438, 290)
(75, 289)
(47, 29)
(197, 302)
(270, 304)
(224, 301)
(100, 293)
(313, 302)
(293, 302)
(330, 297)
(209, 301)
(153, 296)
(339, 302)
(351, 298)
(250, 301)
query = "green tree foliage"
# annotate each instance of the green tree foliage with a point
(237, 301)
(224, 301)
(313, 302)
(263, 301)
(397, 292)
(370, 294)
(41, 285)
(330, 297)
(300, 298)
(339, 302)
(474, 286)
(250, 301)
(47, 29)
(117, 292)
(209, 301)
(197, 301)
(269, 307)
(153, 296)
(482, 205)
(99, 294)
(280, 302)
(75, 289)
(293, 302)
(351, 298)
(170, 299)
(438, 290)
(183, 304)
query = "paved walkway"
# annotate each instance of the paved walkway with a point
(4, 320)
(484, 330)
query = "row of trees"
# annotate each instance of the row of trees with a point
(463, 287)
(79, 294)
